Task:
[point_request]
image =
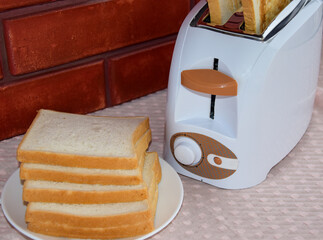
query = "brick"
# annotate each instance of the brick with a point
(56, 37)
(138, 73)
(80, 89)
(9, 4)
(1, 73)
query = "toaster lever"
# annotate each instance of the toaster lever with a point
(209, 81)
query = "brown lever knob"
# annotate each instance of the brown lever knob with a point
(209, 81)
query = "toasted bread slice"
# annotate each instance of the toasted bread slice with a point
(258, 14)
(222, 10)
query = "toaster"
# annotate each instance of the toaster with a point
(238, 103)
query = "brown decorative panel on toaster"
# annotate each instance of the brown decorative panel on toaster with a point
(215, 157)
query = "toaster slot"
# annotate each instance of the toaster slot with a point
(212, 108)
(213, 97)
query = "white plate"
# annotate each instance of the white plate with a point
(169, 203)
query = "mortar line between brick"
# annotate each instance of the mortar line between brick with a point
(39, 9)
(106, 81)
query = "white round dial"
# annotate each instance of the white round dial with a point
(187, 151)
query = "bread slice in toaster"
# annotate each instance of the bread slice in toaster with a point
(222, 10)
(258, 14)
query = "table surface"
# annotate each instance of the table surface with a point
(287, 205)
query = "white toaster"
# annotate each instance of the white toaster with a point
(237, 103)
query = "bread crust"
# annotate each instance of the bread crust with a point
(215, 12)
(64, 230)
(140, 130)
(249, 16)
(83, 197)
(157, 169)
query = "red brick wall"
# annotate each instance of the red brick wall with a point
(131, 73)
(81, 56)
(82, 87)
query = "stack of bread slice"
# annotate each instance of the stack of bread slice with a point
(88, 176)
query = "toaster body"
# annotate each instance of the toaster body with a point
(229, 132)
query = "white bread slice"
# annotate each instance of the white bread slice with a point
(84, 141)
(108, 232)
(93, 215)
(258, 14)
(222, 10)
(35, 171)
(62, 192)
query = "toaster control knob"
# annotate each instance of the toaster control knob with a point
(187, 151)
